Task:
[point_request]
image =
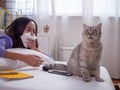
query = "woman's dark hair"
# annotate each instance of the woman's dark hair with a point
(16, 29)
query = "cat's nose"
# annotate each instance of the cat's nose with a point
(90, 37)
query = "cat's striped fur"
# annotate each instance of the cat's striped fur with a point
(85, 58)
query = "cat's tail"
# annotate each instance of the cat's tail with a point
(55, 66)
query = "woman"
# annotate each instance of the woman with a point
(12, 39)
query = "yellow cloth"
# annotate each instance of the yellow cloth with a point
(18, 75)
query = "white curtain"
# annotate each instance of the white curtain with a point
(44, 16)
(65, 18)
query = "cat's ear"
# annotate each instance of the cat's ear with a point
(84, 25)
(99, 25)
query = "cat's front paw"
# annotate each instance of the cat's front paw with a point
(86, 79)
(99, 79)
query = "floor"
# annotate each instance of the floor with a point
(116, 83)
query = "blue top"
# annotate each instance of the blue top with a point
(5, 43)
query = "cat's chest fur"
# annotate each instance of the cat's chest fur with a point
(90, 54)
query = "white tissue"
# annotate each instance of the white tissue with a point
(27, 36)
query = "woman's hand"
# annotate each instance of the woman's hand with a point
(33, 60)
(31, 44)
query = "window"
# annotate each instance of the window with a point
(16, 6)
(27, 6)
(105, 7)
(68, 7)
(82, 7)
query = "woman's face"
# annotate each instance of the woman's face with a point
(30, 28)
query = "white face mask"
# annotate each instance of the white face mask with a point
(27, 36)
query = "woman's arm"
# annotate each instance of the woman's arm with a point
(31, 60)
(5, 42)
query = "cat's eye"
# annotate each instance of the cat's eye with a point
(95, 32)
(87, 31)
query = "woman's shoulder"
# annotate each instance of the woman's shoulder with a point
(4, 36)
(7, 39)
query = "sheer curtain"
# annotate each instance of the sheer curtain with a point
(65, 18)
(44, 15)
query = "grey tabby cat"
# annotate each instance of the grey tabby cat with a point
(85, 58)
